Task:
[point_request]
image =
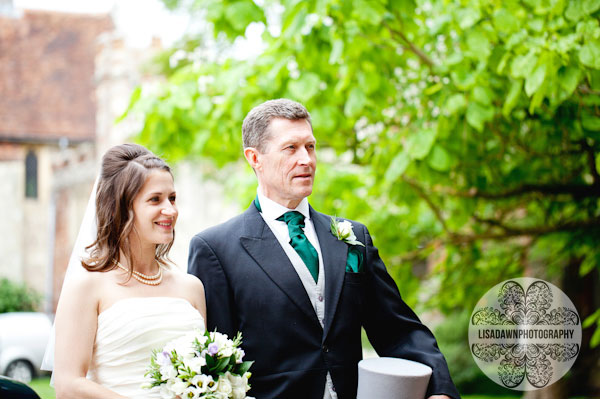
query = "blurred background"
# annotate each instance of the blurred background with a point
(465, 134)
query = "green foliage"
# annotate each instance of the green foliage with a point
(42, 387)
(16, 297)
(464, 134)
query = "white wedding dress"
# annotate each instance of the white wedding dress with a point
(127, 333)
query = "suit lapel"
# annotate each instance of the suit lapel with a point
(334, 254)
(262, 245)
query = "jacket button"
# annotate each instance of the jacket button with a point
(325, 348)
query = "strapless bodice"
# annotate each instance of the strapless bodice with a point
(127, 333)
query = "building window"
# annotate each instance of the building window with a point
(31, 178)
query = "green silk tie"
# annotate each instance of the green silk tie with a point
(300, 243)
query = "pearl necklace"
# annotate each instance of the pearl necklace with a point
(144, 278)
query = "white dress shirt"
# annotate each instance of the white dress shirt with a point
(270, 211)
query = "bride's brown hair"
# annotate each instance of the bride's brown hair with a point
(124, 171)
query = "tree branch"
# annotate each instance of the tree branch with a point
(576, 190)
(411, 46)
(512, 232)
(417, 253)
(436, 210)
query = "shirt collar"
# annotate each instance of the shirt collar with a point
(272, 210)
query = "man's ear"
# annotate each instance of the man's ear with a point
(252, 156)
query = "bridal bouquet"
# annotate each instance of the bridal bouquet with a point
(200, 365)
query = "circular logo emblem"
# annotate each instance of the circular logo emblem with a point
(525, 334)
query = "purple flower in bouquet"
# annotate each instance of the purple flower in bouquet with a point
(163, 358)
(213, 348)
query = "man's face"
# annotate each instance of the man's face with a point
(286, 168)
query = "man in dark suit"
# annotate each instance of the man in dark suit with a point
(298, 288)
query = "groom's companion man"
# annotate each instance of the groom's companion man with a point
(299, 293)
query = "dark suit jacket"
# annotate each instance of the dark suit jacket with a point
(252, 287)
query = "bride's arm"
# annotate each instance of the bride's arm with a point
(76, 322)
(195, 293)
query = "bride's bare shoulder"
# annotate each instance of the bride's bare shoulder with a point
(185, 280)
(86, 283)
(189, 287)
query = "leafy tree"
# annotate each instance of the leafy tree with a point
(16, 297)
(466, 134)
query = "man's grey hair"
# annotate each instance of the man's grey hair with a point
(256, 124)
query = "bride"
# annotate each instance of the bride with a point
(129, 302)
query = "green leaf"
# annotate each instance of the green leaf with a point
(535, 80)
(537, 99)
(210, 362)
(568, 79)
(512, 97)
(368, 81)
(536, 24)
(479, 45)
(324, 118)
(588, 29)
(483, 95)
(522, 65)
(244, 367)
(590, 122)
(304, 88)
(590, 263)
(337, 49)
(463, 79)
(590, 6)
(591, 319)
(595, 340)
(574, 11)
(294, 20)
(241, 13)
(505, 21)
(355, 103)
(135, 96)
(368, 11)
(221, 364)
(533, 3)
(467, 17)
(477, 115)
(439, 159)
(419, 144)
(455, 103)
(397, 167)
(589, 55)
(516, 39)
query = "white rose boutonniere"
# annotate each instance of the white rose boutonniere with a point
(343, 231)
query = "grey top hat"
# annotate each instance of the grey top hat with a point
(391, 378)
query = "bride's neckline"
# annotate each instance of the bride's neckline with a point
(134, 298)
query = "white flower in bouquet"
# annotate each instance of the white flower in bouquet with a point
(201, 366)
(166, 393)
(192, 392)
(239, 385)
(205, 383)
(177, 386)
(224, 386)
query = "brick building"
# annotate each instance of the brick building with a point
(47, 138)
(64, 79)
